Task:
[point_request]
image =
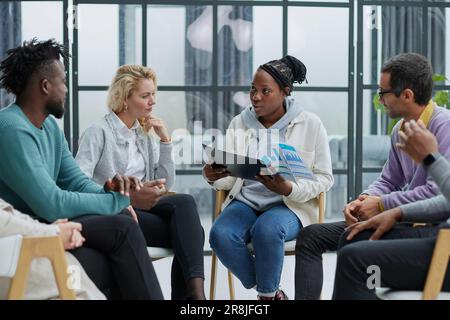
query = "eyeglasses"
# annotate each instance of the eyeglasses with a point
(382, 92)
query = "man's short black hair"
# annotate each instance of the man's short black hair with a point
(411, 71)
(22, 62)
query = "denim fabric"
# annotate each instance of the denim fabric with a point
(237, 225)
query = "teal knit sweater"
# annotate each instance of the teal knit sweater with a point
(39, 176)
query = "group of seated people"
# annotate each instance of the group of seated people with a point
(110, 202)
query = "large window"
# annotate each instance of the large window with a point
(20, 23)
(388, 28)
(205, 53)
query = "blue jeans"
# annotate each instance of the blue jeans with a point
(237, 225)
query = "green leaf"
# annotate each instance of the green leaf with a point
(391, 125)
(439, 77)
(441, 98)
(376, 103)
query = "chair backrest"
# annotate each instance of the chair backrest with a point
(435, 278)
(9, 253)
(438, 266)
(322, 206)
(289, 246)
(222, 194)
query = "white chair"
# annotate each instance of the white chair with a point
(390, 294)
(17, 254)
(10, 252)
(289, 246)
(157, 253)
(435, 278)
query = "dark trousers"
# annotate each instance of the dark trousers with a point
(174, 223)
(403, 264)
(316, 239)
(115, 257)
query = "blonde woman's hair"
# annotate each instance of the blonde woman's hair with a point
(125, 82)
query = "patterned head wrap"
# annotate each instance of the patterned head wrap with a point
(286, 71)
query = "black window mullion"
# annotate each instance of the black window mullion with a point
(215, 68)
(359, 107)
(75, 90)
(67, 115)
(351, 110)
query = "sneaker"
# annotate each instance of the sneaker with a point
(264, 298)
(280, 295)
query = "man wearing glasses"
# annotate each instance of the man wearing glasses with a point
(405, 91)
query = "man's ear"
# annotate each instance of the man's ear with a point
(45, 85)
(287, 91)
(409, 95)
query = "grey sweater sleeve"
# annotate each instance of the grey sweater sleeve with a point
(435, 209)
(165, 167)
(440, 172)
(90, 149)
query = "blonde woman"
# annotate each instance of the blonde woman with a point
(123, 142)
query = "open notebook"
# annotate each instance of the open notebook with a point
(284, 160)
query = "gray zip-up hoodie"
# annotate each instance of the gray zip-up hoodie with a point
(254, 193)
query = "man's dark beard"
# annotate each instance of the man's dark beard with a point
(55, 108)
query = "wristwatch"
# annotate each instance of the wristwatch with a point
(429, 159)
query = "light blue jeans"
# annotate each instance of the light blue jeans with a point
(237, 225)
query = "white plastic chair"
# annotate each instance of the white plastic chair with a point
(157, 253)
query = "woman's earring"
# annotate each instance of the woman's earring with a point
(126, 108)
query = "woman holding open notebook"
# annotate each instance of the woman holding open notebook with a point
(269, 210)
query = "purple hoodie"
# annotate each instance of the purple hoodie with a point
(402, 180)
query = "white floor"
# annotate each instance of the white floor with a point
(162, 268)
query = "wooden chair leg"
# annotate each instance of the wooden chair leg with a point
(45, 247)
(438, 266)
(231, 285)
(321, 207)
(212, 286)
(60, 269)
(19, 282)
